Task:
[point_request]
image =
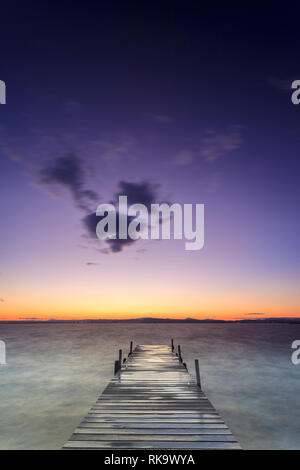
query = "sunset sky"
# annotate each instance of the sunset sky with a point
(181, 103)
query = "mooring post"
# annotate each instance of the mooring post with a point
(131, 344)
(120, 357)
(179, 353)
(172, 344)
(116, 367)
(197, 373)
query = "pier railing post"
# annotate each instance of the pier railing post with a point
(179, 353)
(120, 357)
(172, 344)
(197, 373)
(116, 367)
(131, 344)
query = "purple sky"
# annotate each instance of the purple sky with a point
(192, 103)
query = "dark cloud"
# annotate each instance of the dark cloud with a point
(142, 193)
(137, 193)
(68, 172)
(2, 300)
(90, 263)
(90, 223)
(117, 245)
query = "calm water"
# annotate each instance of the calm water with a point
(55, 372)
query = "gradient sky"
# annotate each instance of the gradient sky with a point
(190, 101)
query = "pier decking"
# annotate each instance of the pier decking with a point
(152, 403)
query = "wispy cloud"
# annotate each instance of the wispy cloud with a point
(115, 149)
(68, 172)
(163, 119)
(6, 146)
(184, 157)
(254, 313)
(142, 250)
(282, 84)
(215, 145)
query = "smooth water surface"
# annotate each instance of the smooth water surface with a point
(55, 372)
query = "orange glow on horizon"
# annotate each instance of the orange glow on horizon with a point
(67, 315)
(72, 299)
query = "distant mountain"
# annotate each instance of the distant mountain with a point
(163, 320)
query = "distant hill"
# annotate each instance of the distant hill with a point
(163, 320)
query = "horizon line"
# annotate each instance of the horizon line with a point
(151, 320)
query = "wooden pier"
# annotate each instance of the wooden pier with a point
(152, 403)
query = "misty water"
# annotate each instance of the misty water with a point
(55, 372)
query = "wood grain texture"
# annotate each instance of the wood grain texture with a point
(152, 403)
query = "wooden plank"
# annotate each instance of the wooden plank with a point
(149, 431)
(153, 403)
(156, 425)
(149, 437)
(133, 399)
(151, 414)
(92, 419)
(150, 445)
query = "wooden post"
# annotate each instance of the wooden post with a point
(116, 367)
(179, 353)
(172, 344)
(120, 357)
(197, 373)
(130, 352)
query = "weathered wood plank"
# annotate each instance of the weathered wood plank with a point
(149, 437)
(149, 431)
(153, 403)
(150, 445)
(155, 425)
(90, 419)
(151, 415)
